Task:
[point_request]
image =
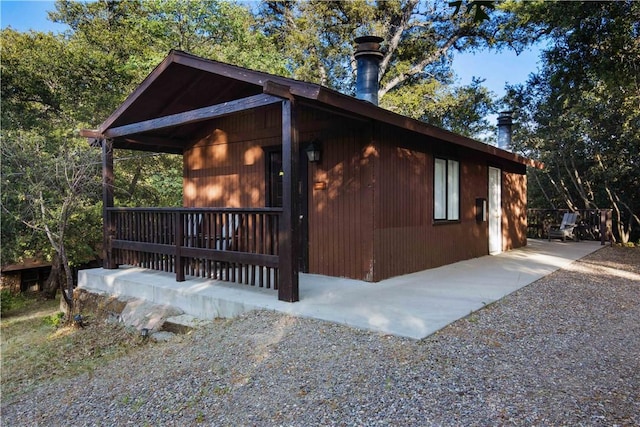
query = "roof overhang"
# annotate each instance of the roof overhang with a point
(27, 264)
(170, 107)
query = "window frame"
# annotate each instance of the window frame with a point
(446, 190)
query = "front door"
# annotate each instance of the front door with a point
(274, 198)
(495, 211)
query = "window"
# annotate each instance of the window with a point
(446, 190)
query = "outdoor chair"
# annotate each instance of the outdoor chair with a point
(227, 238)
(566, 229)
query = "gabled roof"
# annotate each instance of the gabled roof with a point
(183, 82)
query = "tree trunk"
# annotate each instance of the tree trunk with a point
(619, 225)
(66, 286)
(54, 281)
(541, 187)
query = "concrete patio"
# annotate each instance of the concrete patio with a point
(415, 305)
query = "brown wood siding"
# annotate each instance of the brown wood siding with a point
(370, 199)
(514, 210)
(226, 168)
(341, 204)
(405, 237)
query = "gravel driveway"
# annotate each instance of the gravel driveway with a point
(564, 350)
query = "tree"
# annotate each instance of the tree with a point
(478, 7)
(462, 110)
(581, 112)
(29, 90)
(44, 188)
(213, 29)
(53, 189)
(53, 85)
(420, 40)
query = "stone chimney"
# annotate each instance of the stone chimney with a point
(505, 122)
(368, 56)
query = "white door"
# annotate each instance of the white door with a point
(495, 211)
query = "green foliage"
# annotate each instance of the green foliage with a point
(29, 92)
(55, 320)
(462, 110)
(148, 179)
(10, 301)
(580, 113)
(420, 41)
(54, 189)
(213, 29)
(55, 84)
(478, 6)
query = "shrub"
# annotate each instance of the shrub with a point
(54, 320)
(11, 301)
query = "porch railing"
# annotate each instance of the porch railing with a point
(235, 245)
(593, 224)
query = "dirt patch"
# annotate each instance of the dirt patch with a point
(99, 306)
(37, 347)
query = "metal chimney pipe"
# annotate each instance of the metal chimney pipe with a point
(368, 56)
(505, 122)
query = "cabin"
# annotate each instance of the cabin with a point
(26, 276)
(282, 176)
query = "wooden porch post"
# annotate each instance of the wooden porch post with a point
(108, 227)
(179, 231)
(289, 226)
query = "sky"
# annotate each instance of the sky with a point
(496, 68)
(28, 15)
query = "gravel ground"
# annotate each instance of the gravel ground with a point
(561, 351)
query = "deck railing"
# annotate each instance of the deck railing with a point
(235, 245)
(593, 224)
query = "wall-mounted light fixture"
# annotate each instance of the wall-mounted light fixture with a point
(481, 210)
(314, 150)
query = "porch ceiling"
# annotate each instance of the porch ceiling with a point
(180, 88)
(177, 89)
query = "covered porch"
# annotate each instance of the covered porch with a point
(175, 107)
(255, 246)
